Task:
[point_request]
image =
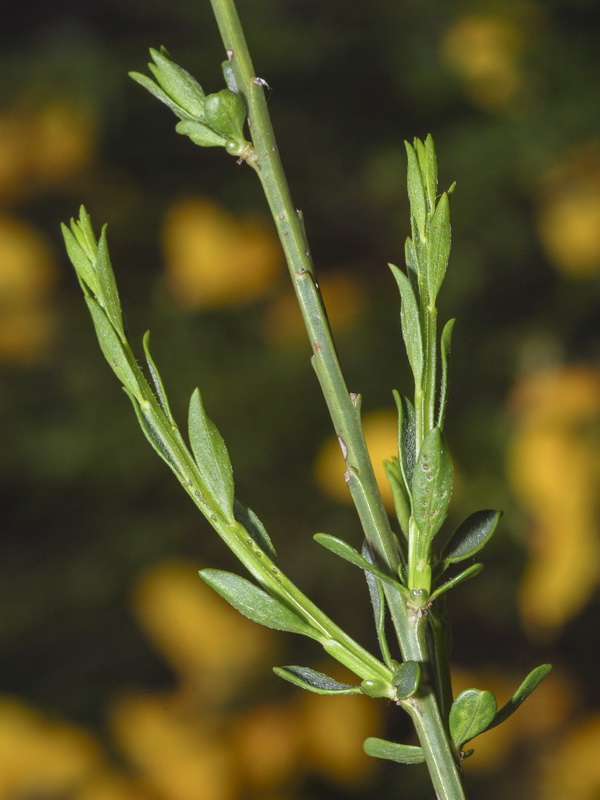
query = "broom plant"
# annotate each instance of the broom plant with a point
(408, 572)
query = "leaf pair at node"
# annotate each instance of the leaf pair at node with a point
(213, 120)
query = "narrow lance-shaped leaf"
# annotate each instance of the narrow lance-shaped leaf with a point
(439, 249)
(445, 342)
(107, 286)
(531, 682)
(399, 493)
(391, 751)
(411, 324)
(348, 553)
(428, 164)
(178, 84)
(416, 192)
(211, 455)
(432, 484)
(150, 86)
(471, 535)
(313, 681)
(81, 260)
(159, 389)
(463, 576)
(115, 352)
(378, 603)
(407, 437)
(255, 528)
(470, 715)
(255, 603)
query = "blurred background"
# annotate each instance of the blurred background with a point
(121, 676)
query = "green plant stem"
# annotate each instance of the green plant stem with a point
(344, 408)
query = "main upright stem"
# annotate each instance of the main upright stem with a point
(344, 407)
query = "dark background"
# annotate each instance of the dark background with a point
(509, 90)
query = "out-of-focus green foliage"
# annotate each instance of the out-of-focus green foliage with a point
(509, 91)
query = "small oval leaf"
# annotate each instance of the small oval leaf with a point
(401, 753)
(432, 484)
(411, 323)
(406, 679)
(471, 535)
(200, 134)
(225, 112)
(255, 603)
(471, 713)
(313, 681)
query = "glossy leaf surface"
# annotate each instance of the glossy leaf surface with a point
(313, 681)
(471, 713)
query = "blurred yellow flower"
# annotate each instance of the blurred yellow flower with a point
(27, 275)
(334, 729)
(215, 260)
(554, 469)
(62, 139)
(176, 752)
(381, 434)
(484, 50)
(572, 769)
(202, 637)
(266, 741)
(569, 212)
(42, 757)
(344, 299)
(43, 144)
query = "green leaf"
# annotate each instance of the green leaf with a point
(445, 342)
(348, 553)
(159, 389)
(200, 134)
(432, 484)
(411, 324)
(163, 445)
(439, 247)
(378, 603)
(375, 687)
(399, 493)
(471, 536)
(313, 681)
(225, 112)
(81, 260)
(416, 191)
(406, 679)
(256, 604)
(471, 713)
(428, 165)
(211, 455)
(108, 296)
(155, 90)
(177, 83)
(463, 576)
(531, 682)
(247, 518)
(113, 348)
(230, 81)
(412, 262)
(407, 437)
(391, 751)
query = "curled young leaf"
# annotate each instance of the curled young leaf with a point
(416, 192)
(255, 528)
(177, 84)
(313, 681)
